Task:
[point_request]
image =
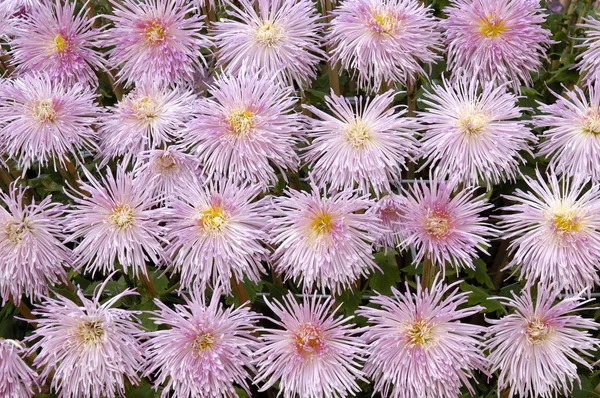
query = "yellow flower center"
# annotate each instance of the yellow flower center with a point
(591, 123)
(91, 332)
(155, 33)
(166, 162)
(420, 333)
(358, 134)
(43, 111)
(492, 26)
(241, 122)
(437, 224)
(122, 216)
(144, 108)
(537, 331)
(473, 122)
(309, 340)
(383, 22)
(213, 219)
(15, 231)
(565, 222)
(204, 341)
(322, 224)
(59, 44)
(268, 34)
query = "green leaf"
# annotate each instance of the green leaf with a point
(382, 281)
(144, 390)
(350, 300)
(144, 317)
(585, 391)
(479, 296)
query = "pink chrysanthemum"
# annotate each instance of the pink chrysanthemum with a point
(490, 39)
(316, 353)
(31, 250)
(147, 118)
(572, 140)
(19, 7)
(281, 38)
(384, 41)
(156, 40)
(364, 147)
(205, 350)
(246, 130)
(115, 221)
(42, 120)
(91, 348)
(555, 232)
(538, 347)
(54, 40)
(472, 134)
(166, 170)
(589, 59)
(215, 233)
(323, 241)
(419, 345)
(389, 211)
(17, 379)
(448, 229)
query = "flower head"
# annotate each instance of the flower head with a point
(91, 348)
(364, 146)
(205, 350)
(490, 39)
(42, 120)
(446, 228)
(31, 250)
(538, 347)
(589, 63)
(323, 241)
(315, 354)
(472, 132)
(281, 37)
(419, 345)
(572, 138)
(17, 378)
(389, 211)
(115, 222)
(555, 232)
(54, 40)
(156, 40)
(215, 233)
(246, 130)
(384, 41)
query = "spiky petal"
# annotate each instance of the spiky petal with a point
(17, 379)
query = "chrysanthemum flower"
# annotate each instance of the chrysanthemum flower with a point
(215, 232)
(19, 7)
(246, 130)
(166, 170)
(54, 40)
(589, 59)
(488, 39)
(389, 211)
(156, 40)
(472, 133)
(359, 147)
(205, 350)
(323, 241)
(384, 41)
(419, 345)
(31, 250)
(281, 37)
(43, 120)
(17, 378)
(91, 348)
(115, 221)
(147, 118)
(448, 229)
(538, 347)
(572, 140)
(316, 353)
(555, 232)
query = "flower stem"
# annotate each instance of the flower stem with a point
(332, 69)
(146, 280)
(239, 291)
(427, 273)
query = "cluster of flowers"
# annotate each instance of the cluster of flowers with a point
(190, 194)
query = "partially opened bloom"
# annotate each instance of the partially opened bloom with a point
(205, 350)
(247, 130)
(589, 61)
(472, 133)
(389, 210)
(488, 39)
(17, 379)
(281, 37)
(55, 40)
(157, 40)
(384, 41)
(147, 118)
(555, 232)
(572, 138)
(43, 120)
(92, 348)
(32, 254)
(114, 221)
(313, 354)
(539, 346)
(444, 227)
(419, 344)
(363, 146)
(215, 233)
(324, 241)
